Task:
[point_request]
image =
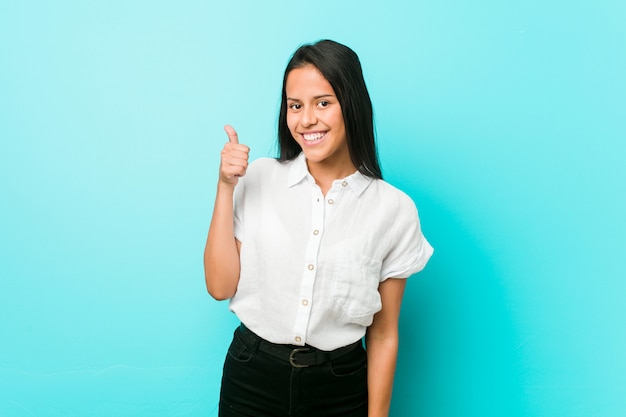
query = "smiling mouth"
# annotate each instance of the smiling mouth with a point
(313, 137)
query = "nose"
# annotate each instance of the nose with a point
(309, 117)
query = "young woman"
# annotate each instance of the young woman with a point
(311, 248)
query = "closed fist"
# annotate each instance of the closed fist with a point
(234, 161)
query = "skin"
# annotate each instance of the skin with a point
(221, 253)
(314, 113)
(382, 342)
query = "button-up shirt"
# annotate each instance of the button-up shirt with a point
(311, 263)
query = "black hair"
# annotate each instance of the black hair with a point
(341, 67)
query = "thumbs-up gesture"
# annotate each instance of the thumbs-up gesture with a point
(234, 161)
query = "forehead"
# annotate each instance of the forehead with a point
(305, 81)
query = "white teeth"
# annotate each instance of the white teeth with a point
(313, 136)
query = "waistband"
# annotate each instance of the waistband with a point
(297, 356)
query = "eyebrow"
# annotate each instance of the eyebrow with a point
(316, 97)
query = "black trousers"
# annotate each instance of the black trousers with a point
(260, 382)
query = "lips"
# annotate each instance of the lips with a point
(313, 137)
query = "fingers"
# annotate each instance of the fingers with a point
(234, 158)
(232, 134)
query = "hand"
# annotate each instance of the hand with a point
(234, 160)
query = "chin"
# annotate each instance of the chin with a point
(314, 156)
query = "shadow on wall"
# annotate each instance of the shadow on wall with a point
(460, 349)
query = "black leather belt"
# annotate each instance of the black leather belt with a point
(297, 356)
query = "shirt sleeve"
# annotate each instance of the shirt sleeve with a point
(409, 251)
(239, 209)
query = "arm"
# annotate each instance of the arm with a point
(221, 254)
(382, 348)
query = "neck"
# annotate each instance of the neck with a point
(324, 175)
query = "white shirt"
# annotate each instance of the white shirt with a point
(311, 264)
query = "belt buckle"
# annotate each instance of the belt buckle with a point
(292, 357)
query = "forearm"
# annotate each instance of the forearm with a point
(382, 353)
(221, 255)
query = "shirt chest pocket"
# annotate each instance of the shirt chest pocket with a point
(355, 287)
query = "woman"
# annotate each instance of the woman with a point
(311, 249)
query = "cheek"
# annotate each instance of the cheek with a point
(292, 123)
(338, 121)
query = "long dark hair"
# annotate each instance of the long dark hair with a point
(340, 65)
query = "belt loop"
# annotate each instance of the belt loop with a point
(250, 338)
(323, 357)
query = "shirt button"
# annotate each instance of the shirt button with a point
(305, 302)
(316, 232)
(331, 201)
(310, 267)
(343, 184)
(298, 339)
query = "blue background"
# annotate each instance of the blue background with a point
(504, 121)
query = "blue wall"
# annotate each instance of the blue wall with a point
(504, 121)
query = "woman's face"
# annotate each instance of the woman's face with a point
(315, 120)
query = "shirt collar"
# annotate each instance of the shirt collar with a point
(298, 171)
(358, 182)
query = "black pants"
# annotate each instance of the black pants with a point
(258, 384)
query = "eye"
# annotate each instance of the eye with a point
(323, 103)
(295, 106)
